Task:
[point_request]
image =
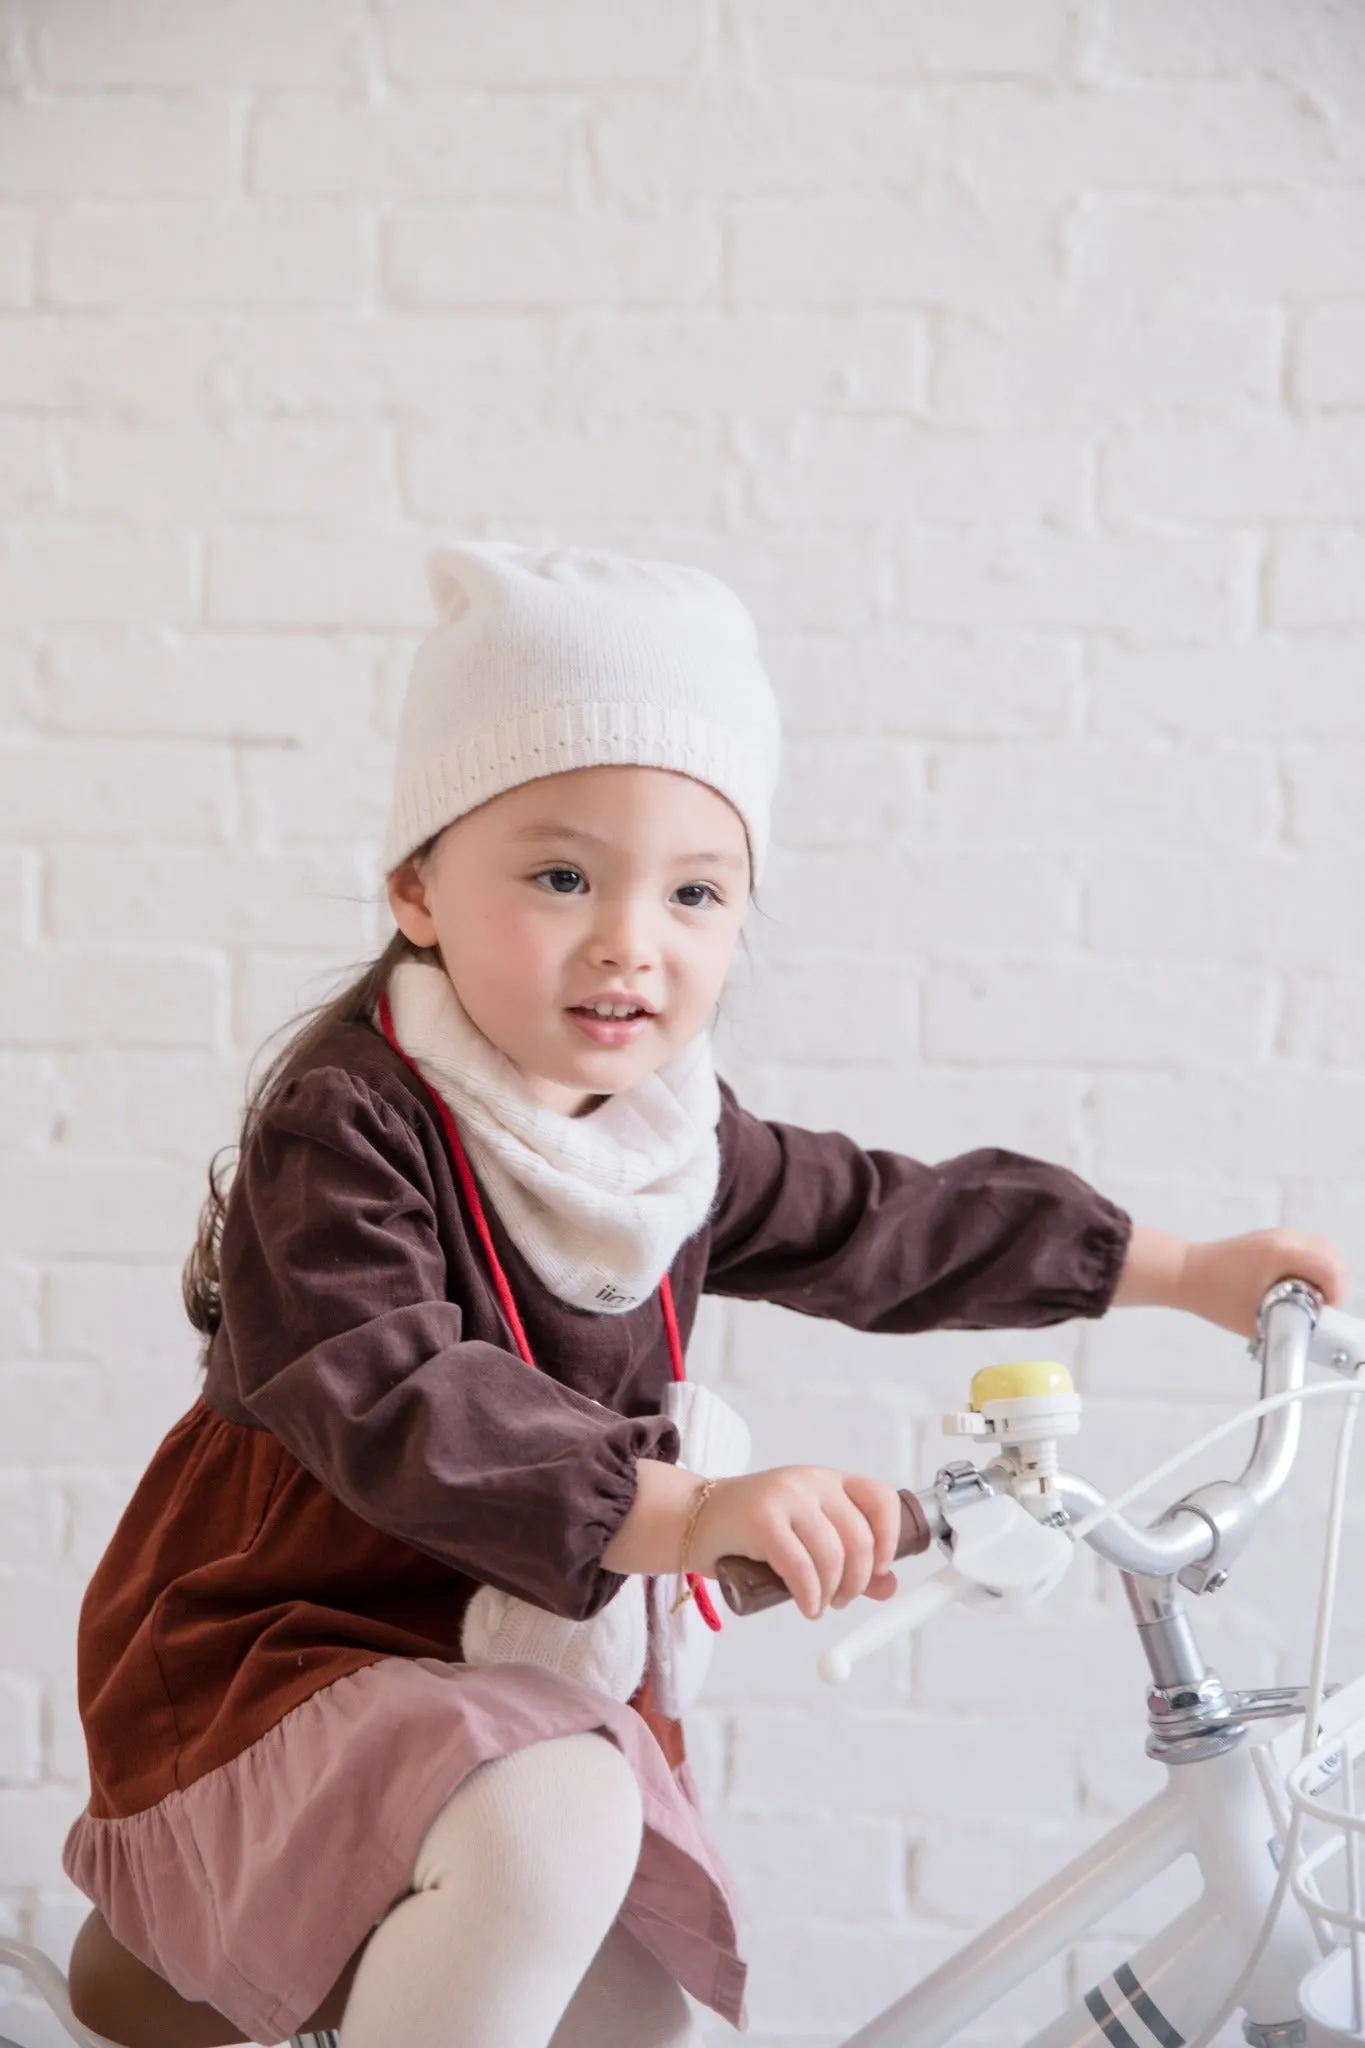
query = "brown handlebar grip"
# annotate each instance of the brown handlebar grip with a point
(749, 1587)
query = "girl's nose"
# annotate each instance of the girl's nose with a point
(624, 939)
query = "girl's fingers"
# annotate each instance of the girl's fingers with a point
(881, 1505)
(1300, 1255)
(824, 1546)
(855, 1535)
(832, 1536)
(794, 1565)
(1327, 1269)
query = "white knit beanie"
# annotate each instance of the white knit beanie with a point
(553, 658)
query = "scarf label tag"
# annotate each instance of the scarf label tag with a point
(613, 1297)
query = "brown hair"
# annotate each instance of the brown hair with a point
(354, 1004)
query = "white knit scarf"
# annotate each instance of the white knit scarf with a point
(598, 1205)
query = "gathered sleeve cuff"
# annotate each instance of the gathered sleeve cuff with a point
(989, 1240)
(340, 1340)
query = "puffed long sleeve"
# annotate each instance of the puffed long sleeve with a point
(357, 1325)
(990, 1240)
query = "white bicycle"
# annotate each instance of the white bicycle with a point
(1261, 1786)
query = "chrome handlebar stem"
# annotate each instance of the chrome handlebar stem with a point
(1199, 1537)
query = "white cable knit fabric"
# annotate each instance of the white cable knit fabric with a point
(607, 1652)
(598, 1205)
(714, 1443)
(546, 659)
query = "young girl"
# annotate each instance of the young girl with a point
(333, 1764)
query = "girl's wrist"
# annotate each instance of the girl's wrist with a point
(1156, 1270)
(704, 1490)
(650, 1537)
(686, 1569)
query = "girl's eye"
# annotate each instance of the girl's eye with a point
(576, 875)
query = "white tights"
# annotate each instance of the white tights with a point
(508, 1938)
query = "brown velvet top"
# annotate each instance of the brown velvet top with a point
(369, 1445)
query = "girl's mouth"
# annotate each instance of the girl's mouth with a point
(610, 1030)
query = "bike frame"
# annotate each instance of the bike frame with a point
(1219, 1811)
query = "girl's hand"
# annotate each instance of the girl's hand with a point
(828, 1535)
(1225, 1281)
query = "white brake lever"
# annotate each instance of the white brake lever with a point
(1001, 1558)
(896, 1617)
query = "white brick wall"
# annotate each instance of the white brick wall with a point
(1011, 362)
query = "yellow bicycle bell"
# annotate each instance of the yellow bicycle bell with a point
(1023, 1408)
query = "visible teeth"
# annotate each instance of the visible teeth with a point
(612, 1009)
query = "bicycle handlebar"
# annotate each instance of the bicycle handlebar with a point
(1206, 1529)
(1215, 1521)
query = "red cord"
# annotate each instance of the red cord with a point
(675, 1350)
(470, 1188)
(705, 1606)
(467, 1183)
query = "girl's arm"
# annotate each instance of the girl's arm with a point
(988, 1240)
(339, 1338)
(1224, 1281)
(830, 1536)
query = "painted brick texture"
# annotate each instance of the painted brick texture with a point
(1010, 361)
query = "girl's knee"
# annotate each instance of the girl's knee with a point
(560, 1819)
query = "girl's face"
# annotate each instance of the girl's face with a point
(625, 886)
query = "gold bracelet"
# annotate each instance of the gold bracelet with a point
(703, 1494)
